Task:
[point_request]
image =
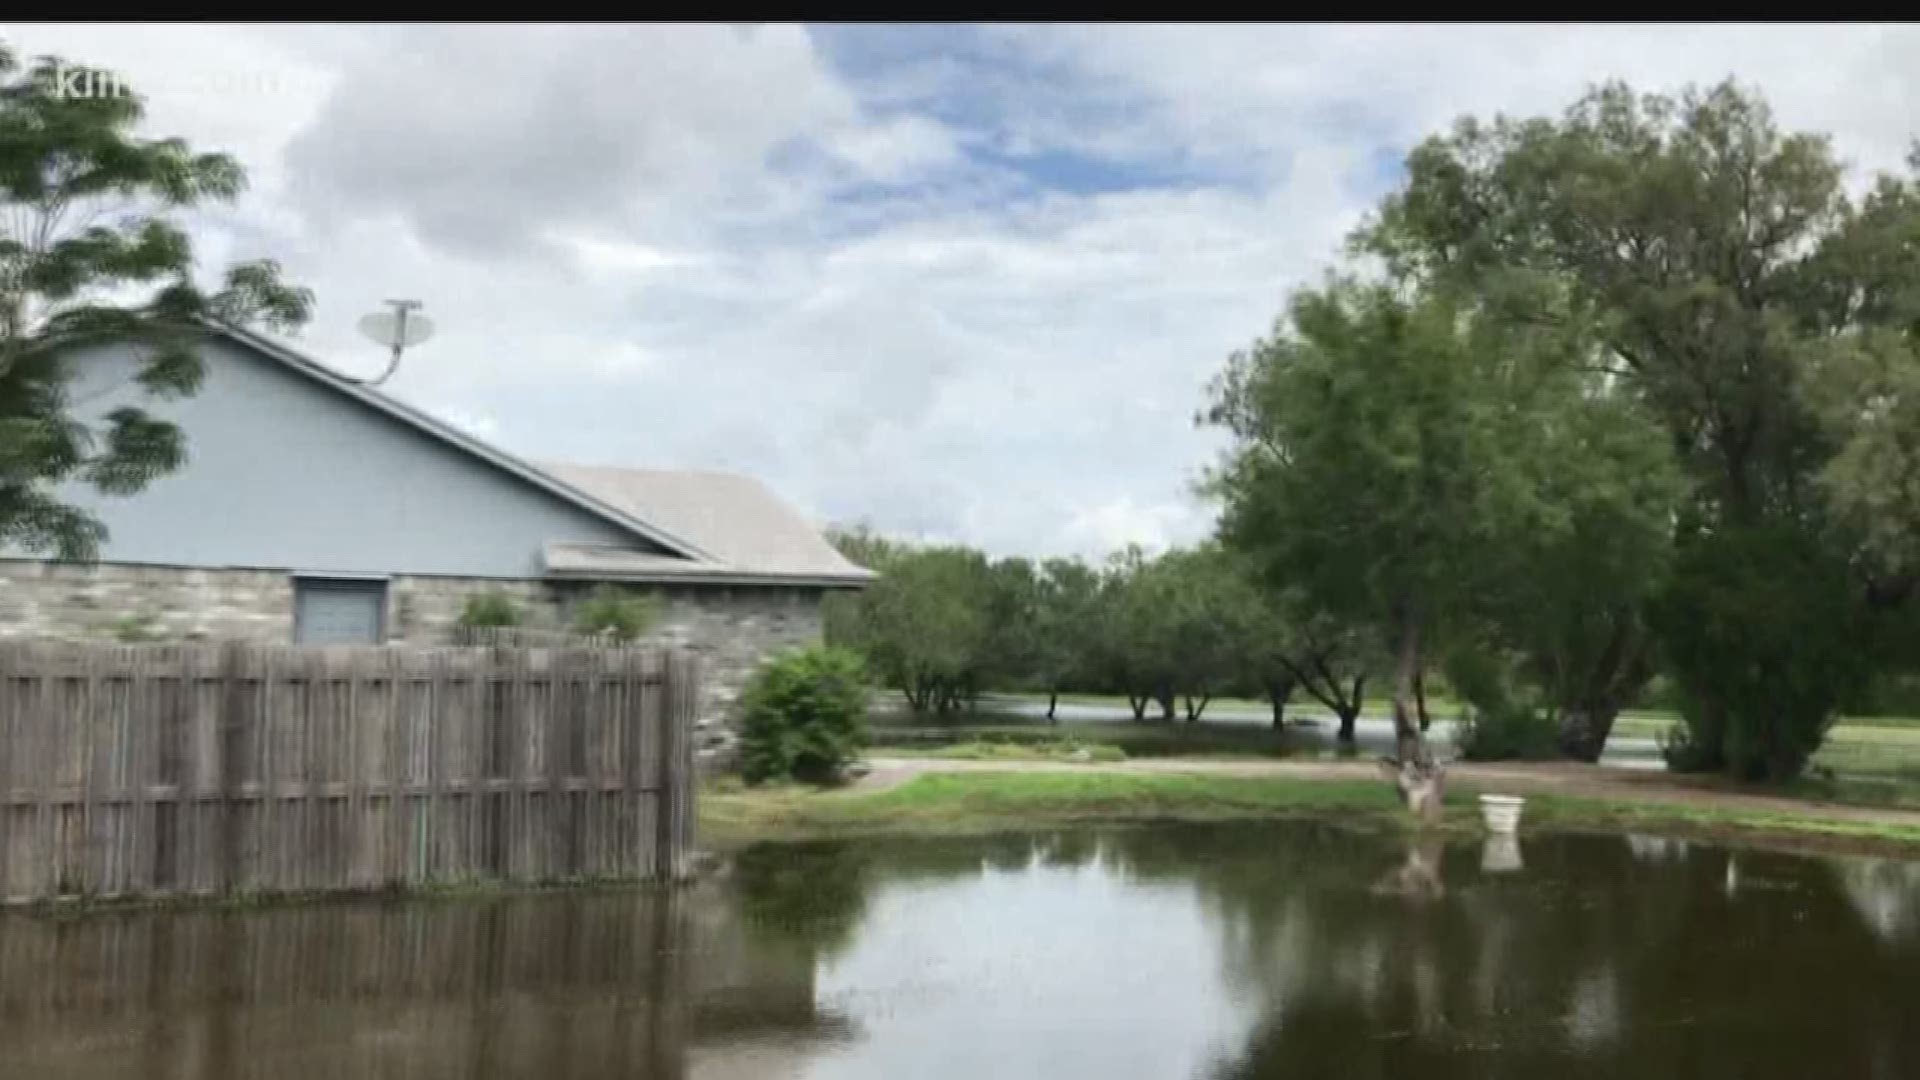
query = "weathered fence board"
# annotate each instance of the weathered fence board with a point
(154, 770)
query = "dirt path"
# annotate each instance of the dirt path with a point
(1564, 778)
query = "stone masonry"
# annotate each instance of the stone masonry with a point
(733, 628)
(62, 602)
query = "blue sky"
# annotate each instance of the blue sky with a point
(963, 283)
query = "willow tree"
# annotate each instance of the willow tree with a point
(1576, 590)
(93, 255)
(1381, 446)
(1719, 263)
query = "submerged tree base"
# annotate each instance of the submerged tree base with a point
(1422, 784)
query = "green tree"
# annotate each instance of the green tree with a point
(924, 626)
(844, 612)
(1066, 625)
(1262, 652)
(1014, 598)
(1171, 635)
(1327, 656)
(1575, 588)
(1139, 644)
(92, 256)
(1718, 264)
(1865, 386)
(1382, 445)
(1209, 616)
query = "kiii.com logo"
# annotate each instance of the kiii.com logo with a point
(80, 83)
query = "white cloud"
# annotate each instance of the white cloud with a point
(970, 290)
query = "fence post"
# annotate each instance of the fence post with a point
(675, 795)
(232, 705)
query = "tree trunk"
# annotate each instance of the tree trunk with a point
(1053, 702)
(1347, 717)
(1409, 745)
(1165, 698)
(1620, 670)
(1420, 699)
(1420, 781)
(1138, 703)
(1278, 693)
(1195, 707)
(1584, 729)
(1422, 786)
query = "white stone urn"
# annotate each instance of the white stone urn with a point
(1501, 813)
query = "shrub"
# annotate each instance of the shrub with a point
(136, 629)
(620, 614)
(1510, 733)
(804, 716)
(1502, 721)
(491, 608)
(1764, 639)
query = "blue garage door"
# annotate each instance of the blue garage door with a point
(335, 611)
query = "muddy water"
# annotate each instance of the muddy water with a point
(1245, 951)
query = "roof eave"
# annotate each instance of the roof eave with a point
(719, 575)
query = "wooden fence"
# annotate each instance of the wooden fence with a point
(156, 770)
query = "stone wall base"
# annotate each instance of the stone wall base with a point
(732, 628)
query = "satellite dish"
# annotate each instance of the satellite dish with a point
(396, 329)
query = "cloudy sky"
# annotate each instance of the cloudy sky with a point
(957, 282)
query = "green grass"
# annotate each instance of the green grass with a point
(1715, 822)
(1002, 750)
(990, 802)
(1877, 792)
(1439, 706)
(1877, 748)
(1119, 701)
(1202, 739)
(987, 802)
(1871, 762)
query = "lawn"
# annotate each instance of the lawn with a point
(978, 802)
(985, 802)
(1869, 748)
(1722, 823)
(1007, 750)
(1181, 739)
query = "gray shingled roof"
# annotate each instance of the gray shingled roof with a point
(747, 532)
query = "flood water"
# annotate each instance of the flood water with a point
(1220, 952)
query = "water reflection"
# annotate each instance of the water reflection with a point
(1885, 893)
(1224, 952)
(1418, 875)
(1500, 854)
(1656, 849)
